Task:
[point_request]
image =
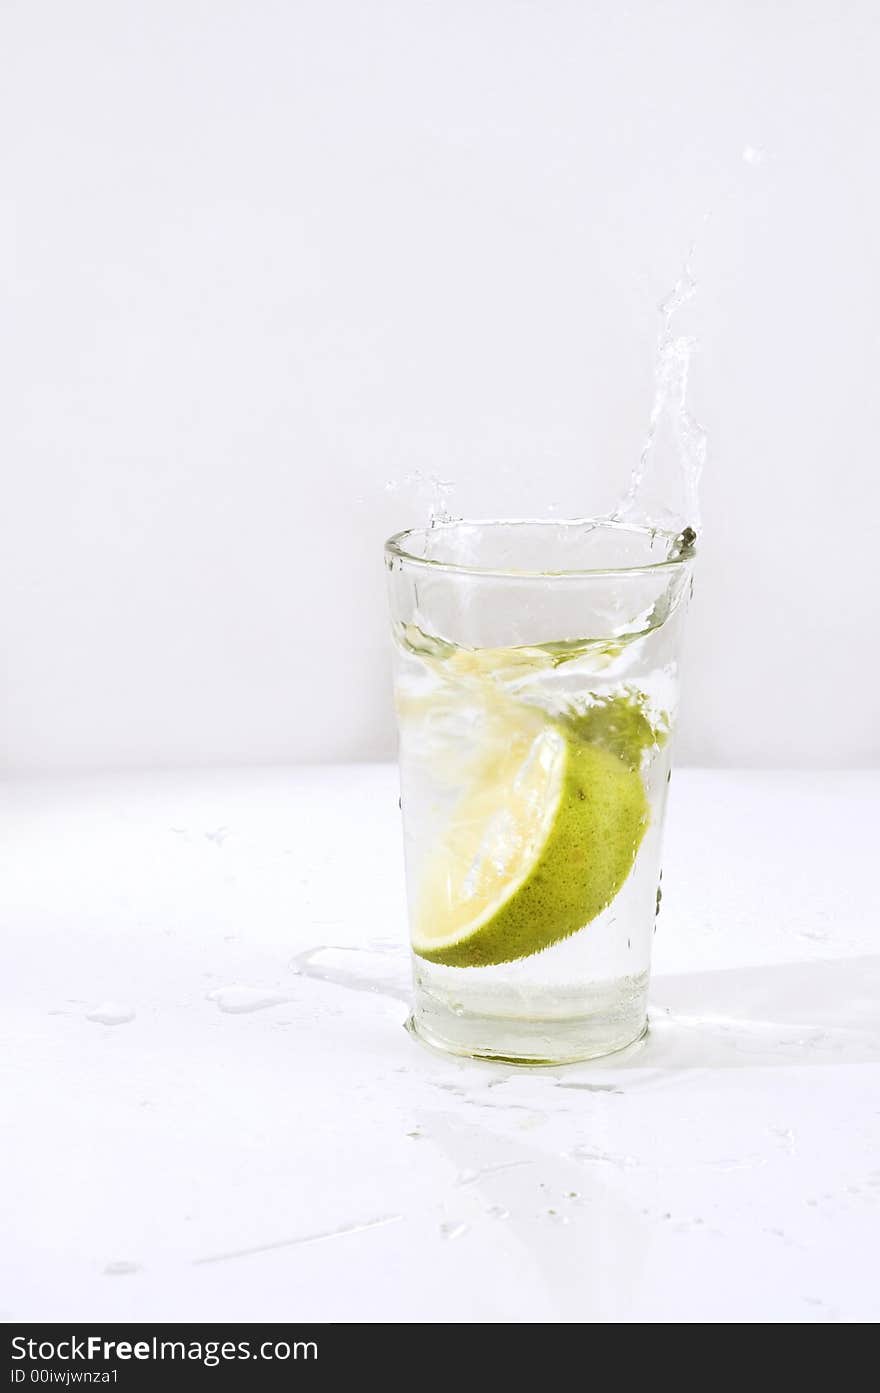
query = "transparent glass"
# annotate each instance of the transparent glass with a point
(536, 684)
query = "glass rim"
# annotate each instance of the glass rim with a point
(396, 546)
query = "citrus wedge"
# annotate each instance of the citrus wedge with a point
(537, 847)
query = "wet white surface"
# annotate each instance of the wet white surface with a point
(211, 1110)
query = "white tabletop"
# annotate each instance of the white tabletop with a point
(256, 1137)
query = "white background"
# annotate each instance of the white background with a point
(264, 257)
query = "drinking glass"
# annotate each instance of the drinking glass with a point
(536, 685)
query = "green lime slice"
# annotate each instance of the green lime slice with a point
(537, 847)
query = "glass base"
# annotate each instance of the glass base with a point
(616, 1017)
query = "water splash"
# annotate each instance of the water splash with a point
(430, 488)
(664, 488)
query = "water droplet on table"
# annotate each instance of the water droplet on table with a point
(111, 1013)
(604, 1158)
(237, 1001)
(452, 1231)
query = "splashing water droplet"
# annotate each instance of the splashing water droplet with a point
(439, 507)
(436, 492)
(664, 488)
